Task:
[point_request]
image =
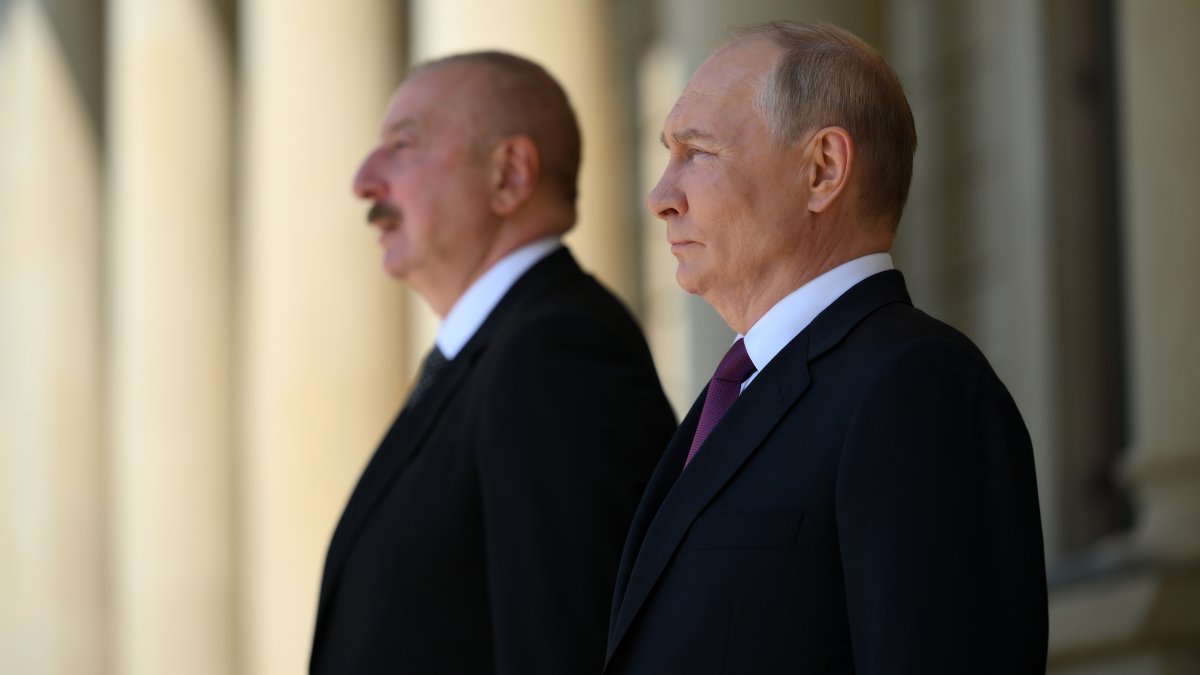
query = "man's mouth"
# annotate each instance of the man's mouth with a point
(678, 243)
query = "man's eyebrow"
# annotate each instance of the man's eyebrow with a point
(400, 125)
(687, 135)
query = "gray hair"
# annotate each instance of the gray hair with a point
(827, 76)
(520, 98)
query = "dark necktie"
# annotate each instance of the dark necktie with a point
(433, 364)
(723, 390)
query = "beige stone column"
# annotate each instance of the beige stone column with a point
(170, 176)
(52, 601)
(320, 335)
(1160, 103)
(1141, 619)
(575, 42)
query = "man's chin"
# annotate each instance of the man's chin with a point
(394, 269)
(686, 280)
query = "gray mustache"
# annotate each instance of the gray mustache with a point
(382, 211)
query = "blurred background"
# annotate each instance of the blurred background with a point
(198, 350)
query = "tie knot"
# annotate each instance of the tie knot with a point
(736, 366)
(434, 362)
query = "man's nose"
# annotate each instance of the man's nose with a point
(666, 199)
(367, 184)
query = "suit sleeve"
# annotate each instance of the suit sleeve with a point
(576, 424)
(938, 521)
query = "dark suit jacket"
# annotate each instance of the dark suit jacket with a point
(484, 534)
(867, 505)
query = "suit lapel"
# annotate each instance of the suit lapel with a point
(751, 418)
(402, 442)
(730, 444)
(657, 488)
(412, 427)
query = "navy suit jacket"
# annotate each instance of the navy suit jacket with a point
(484, 534)
(868, 505)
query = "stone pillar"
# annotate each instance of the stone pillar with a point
(1138, 616)
(320, 335)
(575, 42)
(1160, 103)
(52, 601)
(170, 170)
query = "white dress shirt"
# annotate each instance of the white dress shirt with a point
(797, 309)
(470, 311)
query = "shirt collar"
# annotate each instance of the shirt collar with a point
(784, 321)
(474, 306)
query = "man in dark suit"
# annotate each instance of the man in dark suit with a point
(854, 492)
(484, 534)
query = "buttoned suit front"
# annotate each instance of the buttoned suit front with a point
(484, 534)
(867, 505)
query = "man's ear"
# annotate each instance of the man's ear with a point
(515, 166)
(831, 155)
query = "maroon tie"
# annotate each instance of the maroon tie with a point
(723, 390)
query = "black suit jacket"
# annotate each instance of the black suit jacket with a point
(484, 534)
(868, 505)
